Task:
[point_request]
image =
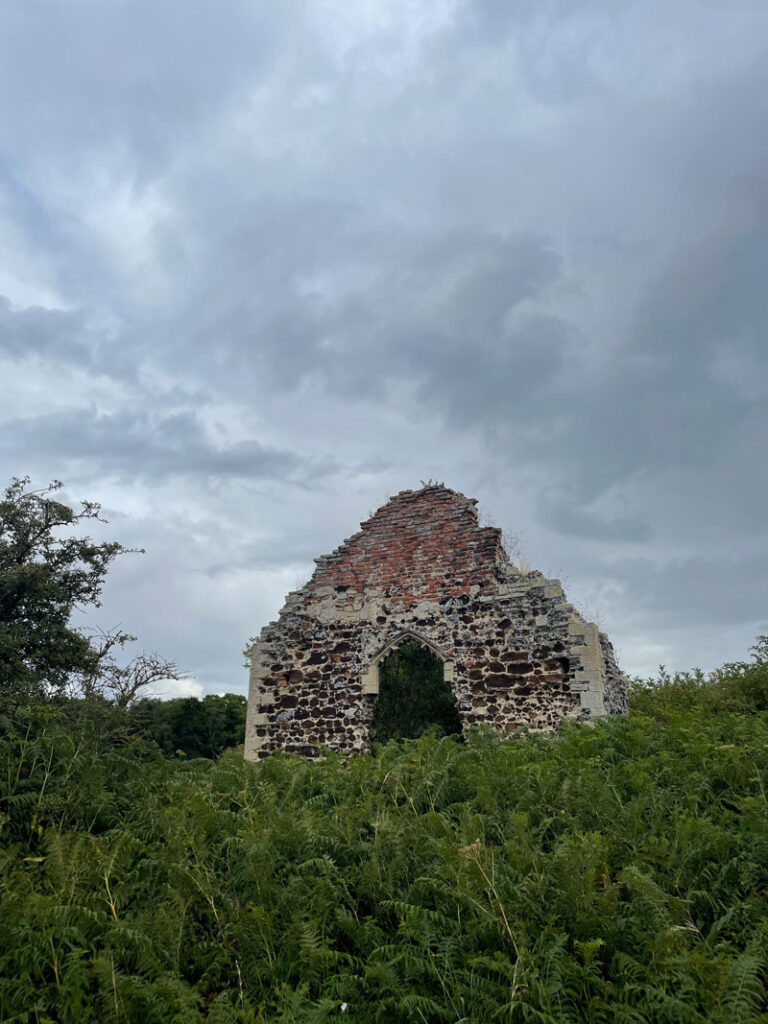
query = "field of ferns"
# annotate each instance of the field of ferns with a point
(611, 874)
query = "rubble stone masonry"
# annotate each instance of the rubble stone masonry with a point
(515, 652)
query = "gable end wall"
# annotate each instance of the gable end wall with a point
(516, 653)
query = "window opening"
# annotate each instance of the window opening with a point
(413, 696)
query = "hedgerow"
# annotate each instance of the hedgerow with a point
(614, 873)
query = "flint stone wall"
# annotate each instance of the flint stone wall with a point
(515, 652)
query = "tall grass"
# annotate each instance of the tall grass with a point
(615, 873)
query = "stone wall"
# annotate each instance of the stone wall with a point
(515, 652)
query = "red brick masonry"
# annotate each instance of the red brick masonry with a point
(516, 653)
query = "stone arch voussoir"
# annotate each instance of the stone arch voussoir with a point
(370, 675)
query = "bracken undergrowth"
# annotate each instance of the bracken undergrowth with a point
(612, 874)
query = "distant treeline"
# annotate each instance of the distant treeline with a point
(184, 727)
(190, 726)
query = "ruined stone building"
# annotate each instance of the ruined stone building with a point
(515, 652)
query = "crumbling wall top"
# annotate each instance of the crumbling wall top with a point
(422, 544)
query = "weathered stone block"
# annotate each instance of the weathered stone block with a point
(514, 651)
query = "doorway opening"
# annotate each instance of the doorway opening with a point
(413, 696)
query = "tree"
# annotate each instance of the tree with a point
(198, 728)
(121, 684)
(45, 575)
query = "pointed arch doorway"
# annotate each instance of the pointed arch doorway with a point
(415, 692)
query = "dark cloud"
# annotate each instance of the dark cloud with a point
(265, 267)
(575, 516)
(142, 446)
(136, 79)
(360, 309)
(686, 396)
(54, 334)
(711, 593)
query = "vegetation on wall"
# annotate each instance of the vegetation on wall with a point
(615, 873)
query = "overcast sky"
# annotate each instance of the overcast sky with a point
(265, 264)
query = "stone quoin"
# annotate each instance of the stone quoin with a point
(514, 651)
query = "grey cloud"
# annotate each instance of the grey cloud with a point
(29, 212)
(510, 372)
(714, 592)
(534, 234)
(573, 515)
(430, 310)
(137, 445)
(58, 335)
(688, 392)
(159, 71)
(361, 308)
(711, 306)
